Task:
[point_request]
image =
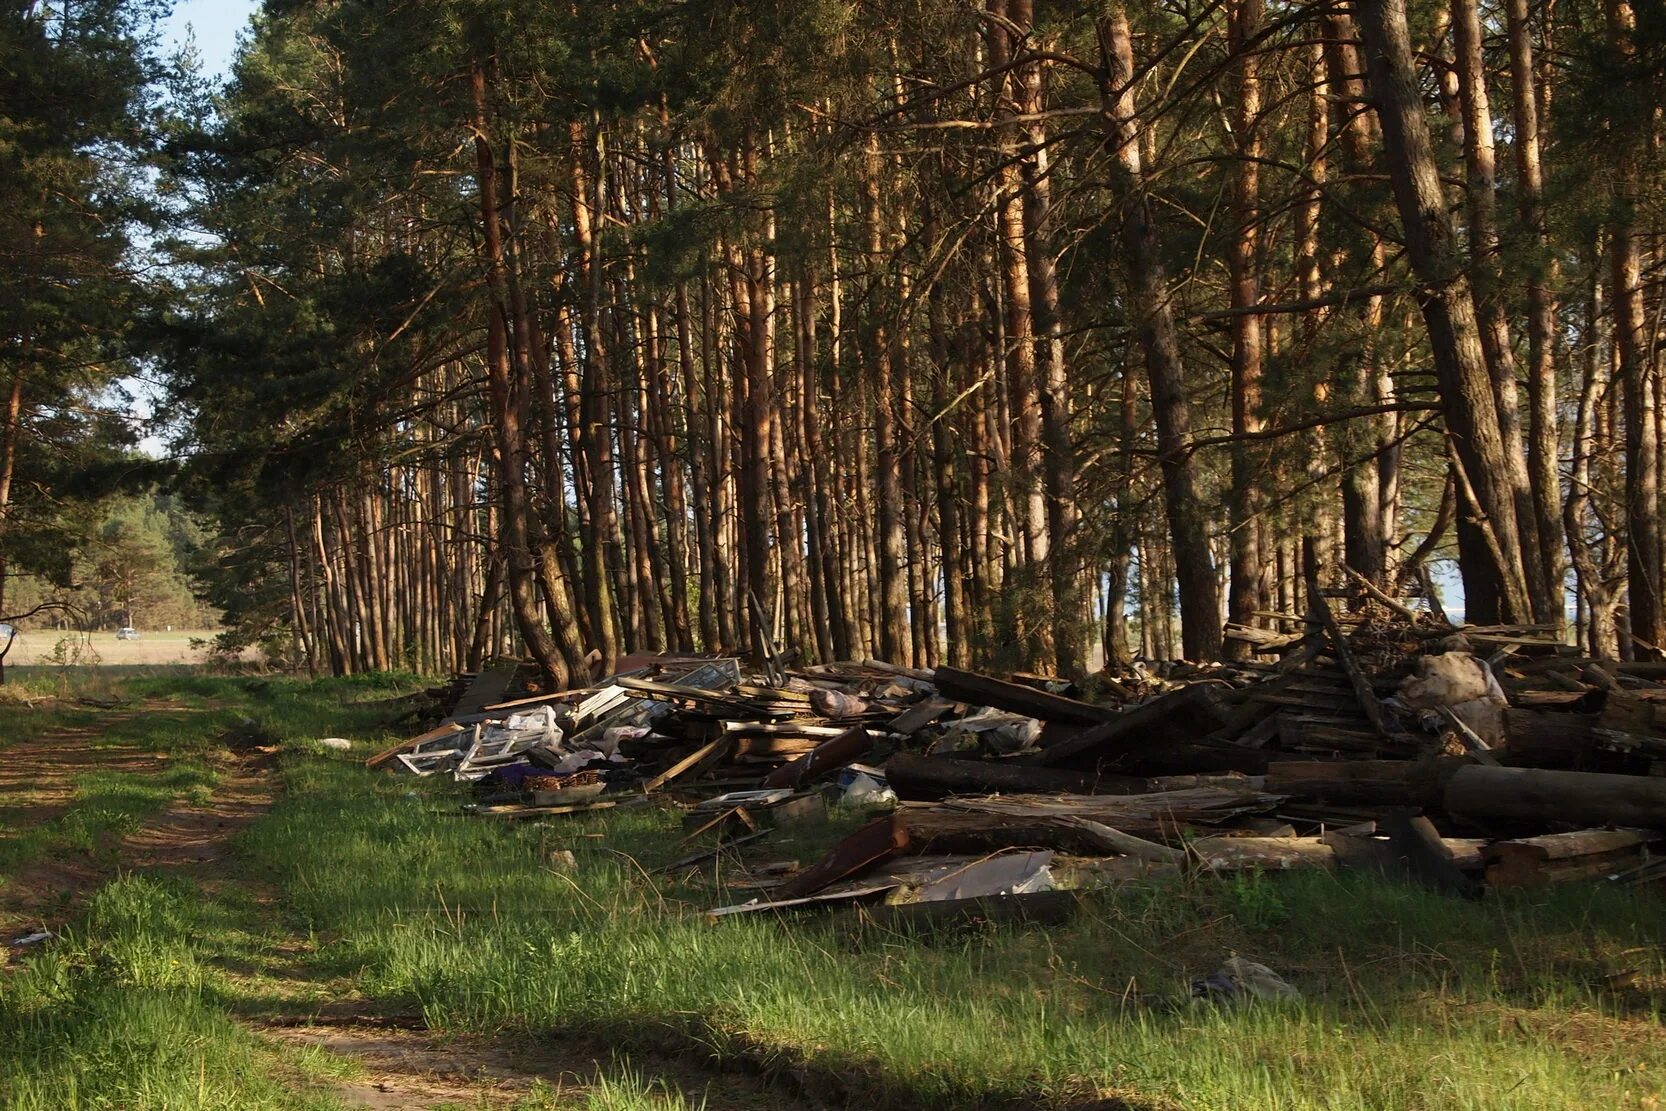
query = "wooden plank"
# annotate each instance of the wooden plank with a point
(1161, 736)
(985, 690)
(438, 733)
(488, 687)
(920, 715)
(687, 762)
(830, 755)
(874, 842)
(543, 811)
(934, 777)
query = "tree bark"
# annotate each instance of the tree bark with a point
(1200, 607)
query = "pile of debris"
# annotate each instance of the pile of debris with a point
(1463, 758)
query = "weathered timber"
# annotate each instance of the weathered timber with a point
(1539, 796)
(934, 777)
(920, 715)
(708, 752)
(877, 841)
(1271, 854)
(1559, 857)
(1420, 852)
(985, 690)
(831, 754)
(1161, 736)
(1362, 782)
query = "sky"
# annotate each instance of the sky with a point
(215, 24)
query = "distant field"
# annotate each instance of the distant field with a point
(40, 646)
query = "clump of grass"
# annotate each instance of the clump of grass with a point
(118, 1015)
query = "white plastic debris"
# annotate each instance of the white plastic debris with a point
(863, 789)
(1462, 683)
(339, 744)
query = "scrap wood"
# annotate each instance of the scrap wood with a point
(1194, 804)
(739, 813)
(914, 776)
(1558, 857)
(918, 674)
(488, 687)
(830, 755)
(1164, 723)
(1272, 854)
(1117, 842)
(1535, 795)
(846, 893)
(514, 811)
(1362, 686)
(1418, 849)
(877, 841)
(1018, 698)
(1471, 740)
(435, 734)
(711, 751)
(920, 715)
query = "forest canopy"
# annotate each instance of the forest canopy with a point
(1016, 334)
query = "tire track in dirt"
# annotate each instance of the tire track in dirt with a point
(38, 780)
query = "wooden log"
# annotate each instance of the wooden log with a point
(999, 821)
(933, 777)
(985, 690)
(1535, 795)
(1362, 782)
(1271, 854)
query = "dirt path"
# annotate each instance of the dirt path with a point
(38, 780)
(400, 1065)
(413, 1069)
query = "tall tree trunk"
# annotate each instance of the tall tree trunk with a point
(1487, 286)
(1644, 577)
(506, 411)
(1200, 603)
(1248, 586)
(1542, 453)
(1467, 397)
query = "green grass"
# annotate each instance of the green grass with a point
(177, 722)
(124, 1014)
(1412, 1001)
(369, 887)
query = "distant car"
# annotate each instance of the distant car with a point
(127, 632)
